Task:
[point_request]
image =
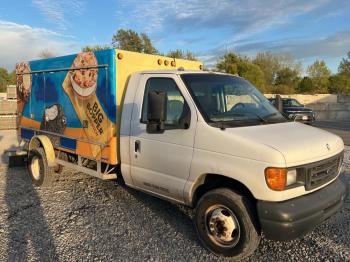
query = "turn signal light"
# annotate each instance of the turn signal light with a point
(276, 178)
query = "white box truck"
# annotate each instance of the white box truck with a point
(207, 140)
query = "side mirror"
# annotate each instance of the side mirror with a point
(157, 109)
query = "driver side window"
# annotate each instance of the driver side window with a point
(176, 104)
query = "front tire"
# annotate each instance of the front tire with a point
(39, 170)
(226, 224)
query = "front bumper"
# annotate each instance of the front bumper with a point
(287, 220)
(306, 118)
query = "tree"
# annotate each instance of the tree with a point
(148, 48)
(131, 41)
(344, 66)
(305, 85)
(253, 73)
(3, 79)
(235, 64)
(269, 64)
(180, 54)
(287, 80)
(228, 63)
(319, 74)
(6, 79)
(339, 84)
(45, 53)
(95, 48)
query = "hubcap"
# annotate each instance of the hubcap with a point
(222, 226)
(35, 168)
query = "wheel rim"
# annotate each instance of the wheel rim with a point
(35, 168)
(222, 226)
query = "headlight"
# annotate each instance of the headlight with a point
(291, 116)
(291, 177)
(279, 178)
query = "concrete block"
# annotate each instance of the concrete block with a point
(8, 107)
(343, 99)
(8, 122)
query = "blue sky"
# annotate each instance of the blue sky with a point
(309, 30)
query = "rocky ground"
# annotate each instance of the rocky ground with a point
(83, 218)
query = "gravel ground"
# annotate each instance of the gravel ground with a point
(83, 218)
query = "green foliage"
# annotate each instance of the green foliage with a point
(131, 41)
(180, 54)
(286, 81)
(148, 47)
(95, 48)
(233, 64)
(344, 66)
(286, 76)
(319, 73)
(252, 73)
(269, 64)
(305, 85)
(339, 84)
(6, 79)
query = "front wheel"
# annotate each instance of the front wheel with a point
(226, 224)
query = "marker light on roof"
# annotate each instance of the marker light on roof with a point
(173, 63)
(120, 56)
(166, 62)
(160, 61)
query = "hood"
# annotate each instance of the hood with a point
(298, 143)
(297, 109)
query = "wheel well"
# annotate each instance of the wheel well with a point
(212, 181)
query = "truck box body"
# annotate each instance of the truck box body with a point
(77, 99)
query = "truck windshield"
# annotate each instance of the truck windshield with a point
(228, 101)
(291, 103)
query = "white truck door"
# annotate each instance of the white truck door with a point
(160, 163)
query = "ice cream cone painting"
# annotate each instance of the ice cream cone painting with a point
(80, 85)
(24, 85)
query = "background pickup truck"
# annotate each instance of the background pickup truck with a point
(207, 140)
(296, 111)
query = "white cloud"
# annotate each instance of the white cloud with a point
(56, 11)
(22, 42)
(241, 17)
(334, 45)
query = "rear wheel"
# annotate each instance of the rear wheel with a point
(39, 170)
(226, 224)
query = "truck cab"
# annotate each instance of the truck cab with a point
(204, 139)
(218, 132)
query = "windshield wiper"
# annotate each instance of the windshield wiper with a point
(270, 115)
(262, 119)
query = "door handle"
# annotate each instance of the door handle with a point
(137, 146)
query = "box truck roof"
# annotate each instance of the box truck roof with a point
(128, 63)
